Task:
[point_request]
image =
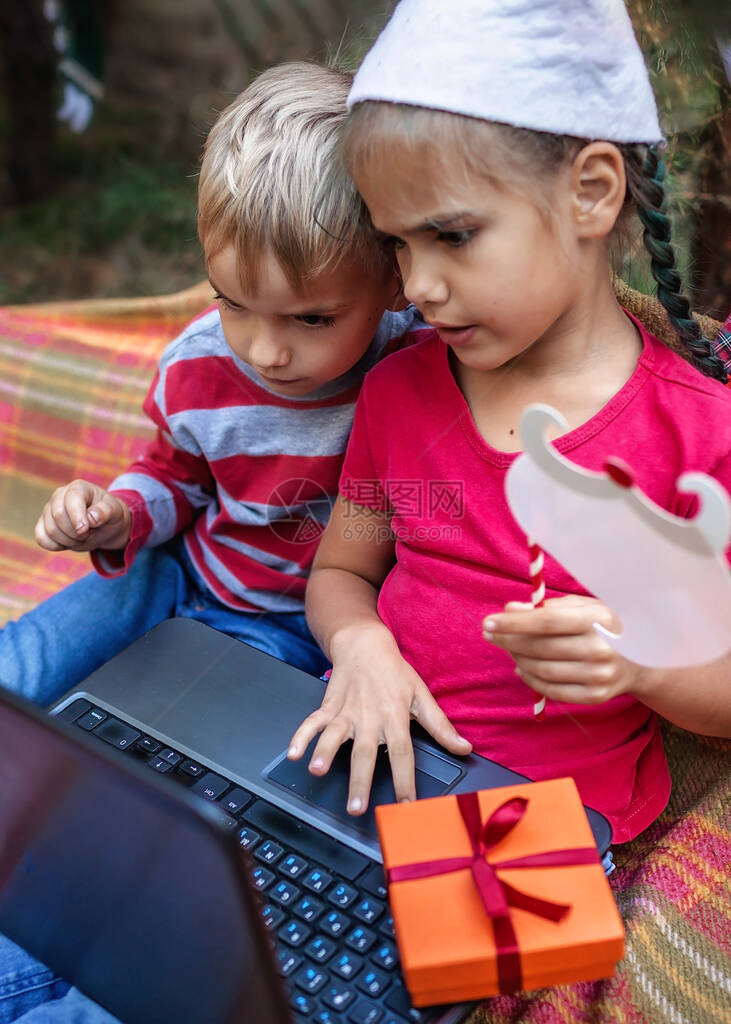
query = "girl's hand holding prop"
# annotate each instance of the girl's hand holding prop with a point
(664, 577)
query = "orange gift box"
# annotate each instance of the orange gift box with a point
(497, 891)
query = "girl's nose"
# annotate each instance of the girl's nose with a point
(424, 285)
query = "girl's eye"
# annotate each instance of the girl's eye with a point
(455, 239)
(316, 320)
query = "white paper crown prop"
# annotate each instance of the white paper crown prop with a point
(569, 67)
(666, 578)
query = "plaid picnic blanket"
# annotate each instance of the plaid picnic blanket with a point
(72, 380)
(73, 376)
(723, 343)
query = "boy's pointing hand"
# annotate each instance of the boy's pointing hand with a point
(82, 516)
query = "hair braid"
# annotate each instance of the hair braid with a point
(646, 188)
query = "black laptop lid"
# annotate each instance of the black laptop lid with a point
(122, 886)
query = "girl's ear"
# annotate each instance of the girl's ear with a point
(598, 187)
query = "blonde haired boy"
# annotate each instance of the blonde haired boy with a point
(220, 518)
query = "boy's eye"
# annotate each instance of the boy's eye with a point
(316, 320)
(390, 242)
(226, 304)
(455, 239)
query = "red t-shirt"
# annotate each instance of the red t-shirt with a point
(460, 555)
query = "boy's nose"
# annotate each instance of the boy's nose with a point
(267, 352)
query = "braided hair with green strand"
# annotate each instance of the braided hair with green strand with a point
(645, 176)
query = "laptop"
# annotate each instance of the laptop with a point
(162, 854)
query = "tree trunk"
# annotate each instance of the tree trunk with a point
(711, 242)
(29, 71)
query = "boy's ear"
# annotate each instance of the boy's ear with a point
(598, 188)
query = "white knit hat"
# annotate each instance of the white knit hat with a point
(570, 67)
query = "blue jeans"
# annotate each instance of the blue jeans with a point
(56, 645)
(59, 643)
(31, 994)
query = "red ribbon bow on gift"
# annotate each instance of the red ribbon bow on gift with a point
(498, 896)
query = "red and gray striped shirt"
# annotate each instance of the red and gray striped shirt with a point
(246, 475)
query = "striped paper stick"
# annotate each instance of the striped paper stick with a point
(538, 598)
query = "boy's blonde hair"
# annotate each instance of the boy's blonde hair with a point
(272, 178)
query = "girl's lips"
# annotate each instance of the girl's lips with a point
(455, 335)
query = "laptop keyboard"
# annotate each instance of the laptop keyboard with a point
(324, 904)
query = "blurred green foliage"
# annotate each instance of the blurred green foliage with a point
(680, 42)
(122, 220)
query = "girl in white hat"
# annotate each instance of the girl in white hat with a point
(500, 145)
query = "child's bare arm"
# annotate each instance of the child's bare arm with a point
(559, 654)
(694, 698)
(373, 692)
(83, 517)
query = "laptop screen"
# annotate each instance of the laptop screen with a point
(121, 887)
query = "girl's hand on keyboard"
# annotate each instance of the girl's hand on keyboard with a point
(372, 695)
(83, 517)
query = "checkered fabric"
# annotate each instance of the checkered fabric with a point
(722, 344)
(72, 380)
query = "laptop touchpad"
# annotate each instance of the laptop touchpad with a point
(434, 775)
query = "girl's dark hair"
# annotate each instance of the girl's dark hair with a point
(645, 176)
